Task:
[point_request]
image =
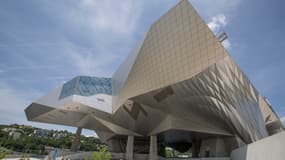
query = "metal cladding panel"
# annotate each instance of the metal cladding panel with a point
(219, 98)
(267, 112)
(240, 101)
(34, 110)
(178, 46)
(120, 76)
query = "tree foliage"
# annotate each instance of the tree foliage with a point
(27, 143)
(102, 154)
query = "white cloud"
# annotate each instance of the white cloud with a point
(217, 23)
(99, 27)
(13, 103)
(227, 44)
(208, 8)
(119, 17)
(90, 62)
(116, 16)
(223, 10)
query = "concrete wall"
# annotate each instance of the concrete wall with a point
(215, 146)
(270, 148)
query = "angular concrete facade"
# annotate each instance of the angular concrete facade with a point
(268, 148)
(179, 88)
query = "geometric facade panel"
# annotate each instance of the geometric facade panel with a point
(177, 47)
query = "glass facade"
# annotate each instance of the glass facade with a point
(86, 86)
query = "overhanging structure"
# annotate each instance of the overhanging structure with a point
(179, 88)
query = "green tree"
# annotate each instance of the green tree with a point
(103, 154)
(27, 143)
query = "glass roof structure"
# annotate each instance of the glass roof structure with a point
(86, 86)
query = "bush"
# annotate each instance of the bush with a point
(103, 154)
(2, 155)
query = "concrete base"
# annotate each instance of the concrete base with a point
(213, 147)
(130, 148)
(266, 149)
(153, 154)
(76, 142)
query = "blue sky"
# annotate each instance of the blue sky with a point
(45, 43)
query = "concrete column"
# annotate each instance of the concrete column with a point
(153, 148)
(76, 142)
(220, 148)
(196, 144)
(130, 148)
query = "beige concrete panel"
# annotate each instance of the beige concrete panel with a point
(164, 125)
(214, 146)
(178, 46)
(104, 136)
(218, 99)
(140, 119)
(116, 128)
(270, 148)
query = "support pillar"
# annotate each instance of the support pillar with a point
(196, 144)
(76, 142)
(153, 148)
(130, 148)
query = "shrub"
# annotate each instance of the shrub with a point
(2, 155)
(102, 154)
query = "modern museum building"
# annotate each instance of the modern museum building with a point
(178, 89)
